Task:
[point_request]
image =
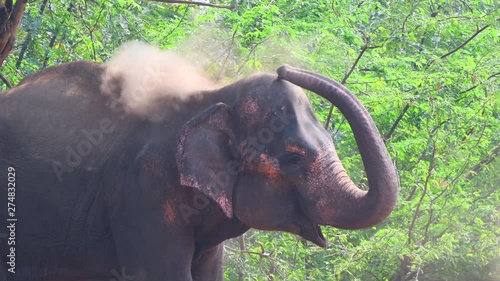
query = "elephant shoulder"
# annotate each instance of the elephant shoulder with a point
(151, 160)
(65, 92)
(82, 71)
(75, 81)
(139, 163)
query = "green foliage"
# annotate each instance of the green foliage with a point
(429, 77)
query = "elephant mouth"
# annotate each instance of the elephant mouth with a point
(307, 228)
(312, 232)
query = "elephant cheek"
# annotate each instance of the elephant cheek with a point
(255, 214)
(252, 202)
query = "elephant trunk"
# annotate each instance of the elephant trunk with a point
(355, 208)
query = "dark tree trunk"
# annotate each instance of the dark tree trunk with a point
(10, 18)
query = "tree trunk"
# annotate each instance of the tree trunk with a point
(10, 18)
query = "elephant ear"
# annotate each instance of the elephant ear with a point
(204, 151)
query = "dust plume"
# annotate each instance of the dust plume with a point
(140, 75)
(226, 58)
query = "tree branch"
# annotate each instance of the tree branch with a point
(424, 192)
(394, 126)
(372, 275)
(230, 7)
(485, 161)
(178, 24)
(27, 40)
(5, 80)
(223, 66)
(466, 41)
(10, 19)
(346, 76)
(475, 86)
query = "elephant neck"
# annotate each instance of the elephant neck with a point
(214, 228)
(203, 100)
(177, 112)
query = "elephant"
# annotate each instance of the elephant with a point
(102, 192)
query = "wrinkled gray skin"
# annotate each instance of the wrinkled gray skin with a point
(156, 200)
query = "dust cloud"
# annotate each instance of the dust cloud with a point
(140, 75)
(226, 59)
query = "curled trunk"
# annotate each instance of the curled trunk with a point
(359, 209)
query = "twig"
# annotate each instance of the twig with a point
(465, 42)
(51, 45)
(5, 80)
(354, 65)
(178, 24)
(473, 202)
(365, 47)
(427, 225)
(252, 51)
(338, 127)
(485, 161)
(27, 40)
(262, 255)
(424, 192)
(54, 37)
(195, 3)
(393, 128)
(373, 275)
(223, 66)
(91, 29)
(241, 243)
(408, 16)
(475, 86)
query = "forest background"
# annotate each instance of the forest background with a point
(427, 71)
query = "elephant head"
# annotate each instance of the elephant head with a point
(263, 157)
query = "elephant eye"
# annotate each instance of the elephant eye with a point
(291, 158)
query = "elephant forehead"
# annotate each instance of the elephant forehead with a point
(253, 111)
(250, 106)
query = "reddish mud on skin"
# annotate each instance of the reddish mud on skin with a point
(295, 149)
(252, 113)
(320, 175)
(315, 190)
(268, 166)
(170, 212)
(250, 110)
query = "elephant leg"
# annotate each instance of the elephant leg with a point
(208, 265)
